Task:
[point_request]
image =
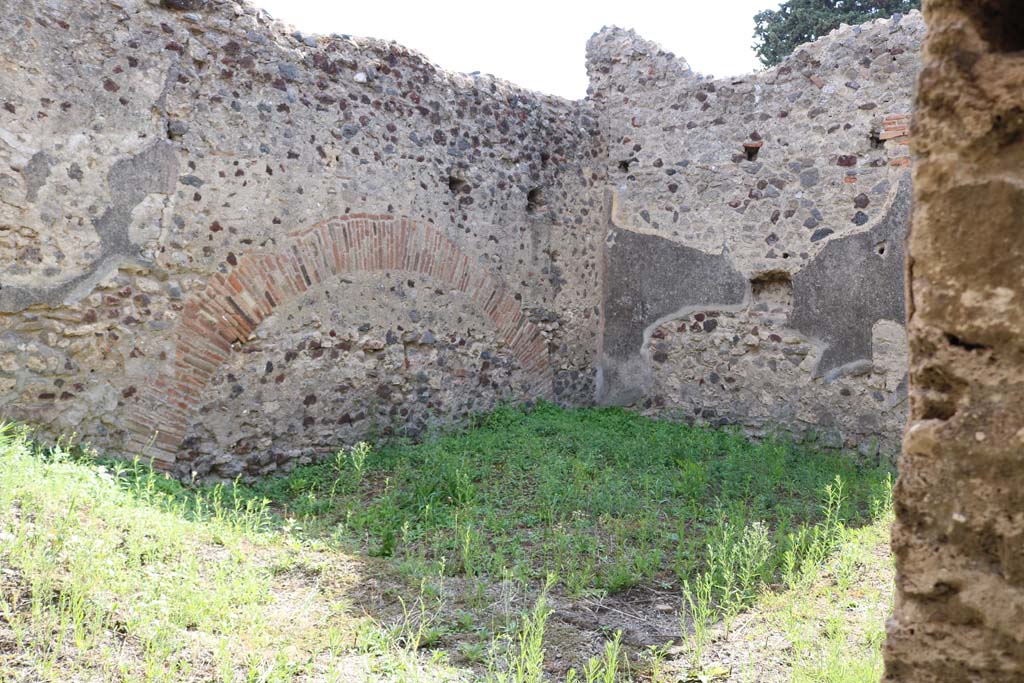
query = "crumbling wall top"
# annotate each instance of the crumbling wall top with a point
(631, 62)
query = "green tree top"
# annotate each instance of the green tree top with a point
(777, 32)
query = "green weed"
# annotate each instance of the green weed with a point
(95, 552)
(520, 658)
(604, 498)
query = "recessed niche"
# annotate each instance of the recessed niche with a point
(457, 185)
(772, 289)
(534, 199)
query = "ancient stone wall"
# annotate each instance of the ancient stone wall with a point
(754, 257)
(959, 533)
(230, 247)
(259, 245)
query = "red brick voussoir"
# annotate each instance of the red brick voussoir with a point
(233, 305)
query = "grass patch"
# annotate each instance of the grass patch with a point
(604, 499)
(828, 627)
(503, 552)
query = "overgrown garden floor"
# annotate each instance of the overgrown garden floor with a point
(594, 544)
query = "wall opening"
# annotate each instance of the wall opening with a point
(772, 289)
(534, 199)
(457, 185)
(752, 148)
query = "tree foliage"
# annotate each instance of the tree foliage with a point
(778, 32)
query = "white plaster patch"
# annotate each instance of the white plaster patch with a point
(889, 352)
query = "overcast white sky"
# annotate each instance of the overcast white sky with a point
(536, 44)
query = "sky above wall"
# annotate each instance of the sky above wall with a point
(536, 44)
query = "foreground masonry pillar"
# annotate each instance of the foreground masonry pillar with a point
(959, 532)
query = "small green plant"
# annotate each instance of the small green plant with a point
(473, 652)
(656, 661)
(349, 466)
(809, 548)
(520, 659)
(693, 479)
(357, 456)
(881, 505)
(699, 604)
(469, 550)
(603, 669)
(796, 545)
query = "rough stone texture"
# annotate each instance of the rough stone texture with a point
(184, 191)
(793, 181)
(324, 353)
(268, 289)
(231, 247)
(959, 532)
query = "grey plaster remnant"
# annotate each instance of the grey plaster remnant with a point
(649, 279)
(854, 282)
(36, 171)
(154, 170)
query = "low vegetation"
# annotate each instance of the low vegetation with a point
(543, 544)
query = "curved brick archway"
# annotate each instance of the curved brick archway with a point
(233, 305)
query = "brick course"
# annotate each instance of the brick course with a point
(227, 312)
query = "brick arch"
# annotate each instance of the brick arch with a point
(232, 305)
